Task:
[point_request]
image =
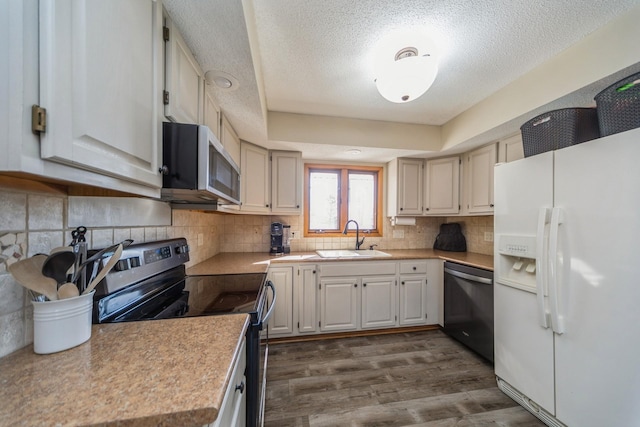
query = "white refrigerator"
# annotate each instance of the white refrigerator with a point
(567, 282)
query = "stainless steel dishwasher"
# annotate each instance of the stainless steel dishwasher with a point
(468, 307)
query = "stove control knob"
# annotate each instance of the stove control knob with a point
(135, 262)
(182, 249)
(122, 265)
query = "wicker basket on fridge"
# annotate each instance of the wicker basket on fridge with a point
(619, 106)
(559, 129)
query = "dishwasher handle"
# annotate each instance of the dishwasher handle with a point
(461, 275)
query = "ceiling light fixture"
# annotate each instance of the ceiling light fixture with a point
(354, 151)
(406, 66)
(221, 80)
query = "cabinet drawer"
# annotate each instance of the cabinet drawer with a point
(417, 267)
(357, 268)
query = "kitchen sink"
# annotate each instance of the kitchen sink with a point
(346, 253)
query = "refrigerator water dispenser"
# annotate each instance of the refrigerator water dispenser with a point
(517, 258)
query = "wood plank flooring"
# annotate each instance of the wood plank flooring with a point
(406, 379)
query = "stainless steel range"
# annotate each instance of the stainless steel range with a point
(149, 283)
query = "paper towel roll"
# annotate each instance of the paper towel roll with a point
(403, 220)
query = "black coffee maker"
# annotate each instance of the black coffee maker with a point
(279, 239)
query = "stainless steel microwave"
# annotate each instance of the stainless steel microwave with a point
(196, 167)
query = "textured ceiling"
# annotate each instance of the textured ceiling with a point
(315, 56)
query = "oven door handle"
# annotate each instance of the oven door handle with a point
(265, 319)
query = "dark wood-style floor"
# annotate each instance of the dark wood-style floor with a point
(405, 379)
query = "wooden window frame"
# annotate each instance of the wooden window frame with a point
(343, 199)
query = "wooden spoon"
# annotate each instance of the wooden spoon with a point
(28, 273)
(68, 290)
(107, 268)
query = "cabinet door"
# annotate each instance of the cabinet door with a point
(184, 81)
(286, 182)
(339, 304)
(100, 80)
(413, 299)
(281, 321)
(442, 186)
(254, 179)
(511, 149)
(480, 165)
(212, 118)
(230, 140)
(410, 187)
(378, 302)
(307, 294)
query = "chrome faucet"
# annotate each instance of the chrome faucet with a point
(358, 241)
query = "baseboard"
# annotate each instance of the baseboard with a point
(365, 333)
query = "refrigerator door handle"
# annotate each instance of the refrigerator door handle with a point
(541, 267)
(556, 318)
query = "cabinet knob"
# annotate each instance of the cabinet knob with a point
(164, 170)
(240, 387)
(314, 272)
(402, 283)
(364, 285)
(266, 206)
(491, 205)
(401, 209)
(415, 268)
(297, 206)
(355, 285)
(426, 209)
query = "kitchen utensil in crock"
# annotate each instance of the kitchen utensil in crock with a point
(68, 290)
(28, 273)
(98, 255)
(57, 264)
(107, 267)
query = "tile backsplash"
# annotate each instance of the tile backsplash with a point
(36, 220)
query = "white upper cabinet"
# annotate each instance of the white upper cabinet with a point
(254, 179)
(442, 186)
(230, 141)
(511, 149)
(183, 95)
(286, 182)
(479, 179)
(404, 187)
(212, 118)
(100, 72)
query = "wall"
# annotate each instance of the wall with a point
(35, 220)
(250, 233)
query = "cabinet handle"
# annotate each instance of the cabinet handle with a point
(297, 206)
(314, 272)
(266, 206)
(415, 268)
(402, 283)
(355, 285)
(426, 209)
(240, 387)
(401, 209)
(364, 285)
(491, 205)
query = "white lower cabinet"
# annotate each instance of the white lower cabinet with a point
(379, 302)
(339, 304)
(306, 294)
(355, 295)
(281, 321)
(233, 409)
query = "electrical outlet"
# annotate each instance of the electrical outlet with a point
(488, 236)
(398, 234)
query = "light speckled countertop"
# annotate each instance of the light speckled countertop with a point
(154, 373)
(256, 262)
